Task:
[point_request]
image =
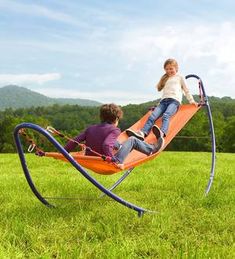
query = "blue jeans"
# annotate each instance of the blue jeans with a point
(130, 144)
(166, 109)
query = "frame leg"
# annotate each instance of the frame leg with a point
(118, 181)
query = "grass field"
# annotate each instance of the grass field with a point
(187, 224)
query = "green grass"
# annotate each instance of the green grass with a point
(187, 224)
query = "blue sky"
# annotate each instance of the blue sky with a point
(114, 50)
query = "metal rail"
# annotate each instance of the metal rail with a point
(212, 132)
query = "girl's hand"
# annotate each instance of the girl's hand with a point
(194, 103)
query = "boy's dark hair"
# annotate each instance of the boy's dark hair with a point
(110, 113)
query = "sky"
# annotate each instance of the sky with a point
(114, 50)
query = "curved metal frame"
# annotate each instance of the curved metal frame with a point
(105, 191)
(57, 145)
(213, 143)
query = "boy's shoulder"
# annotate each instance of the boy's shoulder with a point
(103, 125)
(105, 128)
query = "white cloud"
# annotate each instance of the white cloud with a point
(207, 50)
(181, 40)
(38, 10)
(28, 78)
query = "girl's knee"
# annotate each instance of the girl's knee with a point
(151, 118)
(166, 115)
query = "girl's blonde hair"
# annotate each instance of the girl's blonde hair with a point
(165, 77)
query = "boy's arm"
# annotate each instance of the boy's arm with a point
(71, 144)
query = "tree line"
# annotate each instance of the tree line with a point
(72, 119)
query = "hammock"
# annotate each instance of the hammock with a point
(98, 165)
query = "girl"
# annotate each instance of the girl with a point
(172, 86)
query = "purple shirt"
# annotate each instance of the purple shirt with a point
(100, 137)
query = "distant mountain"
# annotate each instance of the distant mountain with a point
(14, 97)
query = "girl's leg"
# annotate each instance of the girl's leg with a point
(170, 110)
(157, 112)
(130, 144)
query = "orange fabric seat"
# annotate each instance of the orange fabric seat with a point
(96, 164)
